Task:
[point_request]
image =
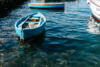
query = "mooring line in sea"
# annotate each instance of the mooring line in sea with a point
(18, 45)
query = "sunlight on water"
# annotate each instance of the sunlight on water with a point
(94, 26)
(71, 38)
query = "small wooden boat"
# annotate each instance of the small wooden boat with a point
(95, 8)
(46, 5)
(30, 25)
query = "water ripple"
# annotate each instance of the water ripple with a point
(71, 38)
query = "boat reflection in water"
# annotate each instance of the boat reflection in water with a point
(31, 45)
(94, 25)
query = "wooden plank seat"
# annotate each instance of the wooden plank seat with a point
(34, 18)
(36, 15)
(31, 22)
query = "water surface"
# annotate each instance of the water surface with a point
(71, 38)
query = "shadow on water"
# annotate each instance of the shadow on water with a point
(7, 9)
(5, 12)
(26, 51)
(31, 45)
(47, 10)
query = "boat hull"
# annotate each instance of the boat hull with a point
(27, 33)
(95, 8)
(46, 6)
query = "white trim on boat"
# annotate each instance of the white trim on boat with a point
(95, 3)
(45, 3)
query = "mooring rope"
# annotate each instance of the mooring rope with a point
(18, 45)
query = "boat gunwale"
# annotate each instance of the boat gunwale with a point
(96, 18)
(94, 3)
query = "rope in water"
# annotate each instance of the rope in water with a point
(16, 48)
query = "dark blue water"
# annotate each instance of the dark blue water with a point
(71, 38)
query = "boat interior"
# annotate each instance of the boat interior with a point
(32, 22)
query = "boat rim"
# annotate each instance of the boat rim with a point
(94, 3)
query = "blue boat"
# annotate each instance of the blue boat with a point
(46, 5)
(30, 25)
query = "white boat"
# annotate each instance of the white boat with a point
(95, 8)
